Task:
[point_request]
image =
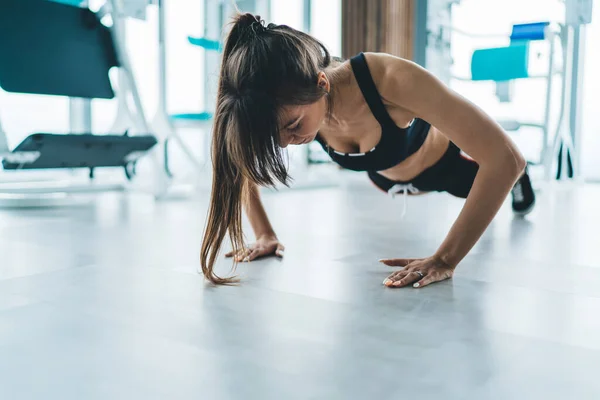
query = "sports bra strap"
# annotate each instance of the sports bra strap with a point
(369, 90)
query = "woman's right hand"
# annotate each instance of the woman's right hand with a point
(265, 245)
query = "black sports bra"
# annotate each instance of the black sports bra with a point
(396, 143)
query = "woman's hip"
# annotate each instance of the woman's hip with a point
(453, 173)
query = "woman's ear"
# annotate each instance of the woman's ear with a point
(323, 82)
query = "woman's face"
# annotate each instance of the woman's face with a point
(300, 124)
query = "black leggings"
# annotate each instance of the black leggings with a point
(453, 173)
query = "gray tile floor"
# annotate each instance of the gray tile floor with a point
(104, 302)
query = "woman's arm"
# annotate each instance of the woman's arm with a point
(500, 163)
(267, 242)
(256, 213)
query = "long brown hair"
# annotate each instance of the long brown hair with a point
(263, 68)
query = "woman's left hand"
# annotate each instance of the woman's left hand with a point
(417, 272)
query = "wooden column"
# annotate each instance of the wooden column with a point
(379, 26)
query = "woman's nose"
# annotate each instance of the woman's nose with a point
(284, 142)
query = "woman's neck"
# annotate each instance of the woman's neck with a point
(346, 97)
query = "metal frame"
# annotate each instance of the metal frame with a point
(420, 33)
(307, 17)
(431, 33)
(4, 148)
(566, 141)
(214, 16)
(128, 90)
(161, 122)
(307, 27)
(129, 118)
(80, 110)
(548, 151)
(563, 146)
(576, 94)
(310, 175)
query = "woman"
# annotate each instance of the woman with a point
(375, 113)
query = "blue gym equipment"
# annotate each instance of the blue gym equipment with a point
(504, 65)
(69, 53)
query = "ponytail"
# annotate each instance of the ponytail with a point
(262, 69)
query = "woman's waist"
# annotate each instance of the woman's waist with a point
(429, 154)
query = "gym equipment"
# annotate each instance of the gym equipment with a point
(216, 13)
(500, 64)
(69, 2)
(209, 46)
(212, 45)
(530, 31)
(578, 13)
(162, 121)
(50, 151)
(505, 65)
(69, 53)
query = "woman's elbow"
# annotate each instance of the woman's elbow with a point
(520, 162)
(510, 162)
(513, 162)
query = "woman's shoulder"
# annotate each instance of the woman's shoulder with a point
(385, 66)
(395, 77)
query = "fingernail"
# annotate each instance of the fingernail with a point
(387, 282)
(416, 284)
(381, 260)
(246, 259)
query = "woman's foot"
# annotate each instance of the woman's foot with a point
(523, 196)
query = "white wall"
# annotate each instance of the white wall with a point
(326, 24)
